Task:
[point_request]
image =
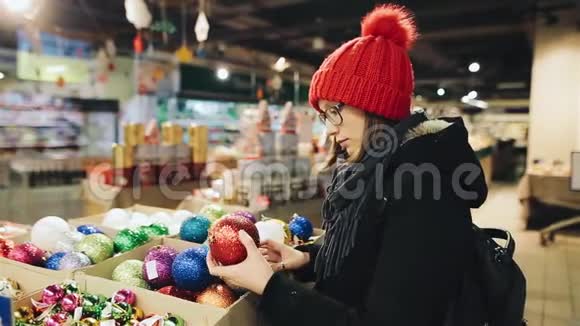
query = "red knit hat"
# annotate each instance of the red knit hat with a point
(372, 72)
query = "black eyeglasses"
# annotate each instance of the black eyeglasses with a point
(332, 115)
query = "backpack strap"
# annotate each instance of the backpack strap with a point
(510, 245)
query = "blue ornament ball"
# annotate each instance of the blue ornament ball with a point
(190, 270)
(53, 262)
(88, 229)
(195, 229)
(300, 227)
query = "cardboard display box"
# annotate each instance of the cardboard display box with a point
(241, 313)
(195, 204)
(29, 279)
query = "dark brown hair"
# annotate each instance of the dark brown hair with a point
(373, 128)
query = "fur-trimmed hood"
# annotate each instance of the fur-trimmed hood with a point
(443, 143)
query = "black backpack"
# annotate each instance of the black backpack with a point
(493, 291)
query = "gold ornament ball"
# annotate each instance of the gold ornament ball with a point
(24, 313)
(137, 314)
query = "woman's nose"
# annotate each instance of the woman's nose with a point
(331, 129)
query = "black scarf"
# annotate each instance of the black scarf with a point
(353, 192)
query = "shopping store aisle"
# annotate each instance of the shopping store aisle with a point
(553, 273)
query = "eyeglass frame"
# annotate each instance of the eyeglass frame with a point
(338, 107)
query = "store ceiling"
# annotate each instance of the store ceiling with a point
(496, 33)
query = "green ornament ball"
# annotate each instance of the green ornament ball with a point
(155, 230)
(213, 212)
(129, 239)
(97, 247)
(130, 272)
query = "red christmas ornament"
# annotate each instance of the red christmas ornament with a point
(224, 242)
(27, 253)
(6, 246)
(138, 44)
(125, 295)
(178, 293)
(56, 319)
(219, 295)
(52, 294)
(70, 302)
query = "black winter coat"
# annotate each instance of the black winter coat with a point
(408, 260)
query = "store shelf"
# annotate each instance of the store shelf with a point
(41, 146)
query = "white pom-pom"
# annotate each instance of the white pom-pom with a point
(271, 230)
(139, 219)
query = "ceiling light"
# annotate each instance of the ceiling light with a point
(472, 95)
(441, 91)
(2, 75)
(201, 27)
(18, 6)
(465, 99)
(222, 73)
(281, 65)
(474, 67)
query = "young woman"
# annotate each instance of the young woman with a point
(397, 214)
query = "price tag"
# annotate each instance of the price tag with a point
(78, 314)
(151, 268)
(107, 311)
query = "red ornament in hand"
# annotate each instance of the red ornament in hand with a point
(224, 242)
(6, 246)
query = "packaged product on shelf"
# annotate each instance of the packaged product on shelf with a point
(123, 165)
(198, 141)
(286, 138)
(266, 139)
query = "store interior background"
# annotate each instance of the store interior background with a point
(73, 72)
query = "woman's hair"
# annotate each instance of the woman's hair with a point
(374, 129)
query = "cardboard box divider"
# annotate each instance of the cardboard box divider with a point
(242, 312)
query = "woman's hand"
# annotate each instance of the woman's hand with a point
(283, 257)
(252, 274)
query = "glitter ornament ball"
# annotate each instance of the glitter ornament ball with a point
(219, 295)
(125, 295)
(178, 293)
(155, 230)
(213, 212)
(48, 231)
(195, 229)
(130, 272)
(157, 267)
(97, 247)
(69, 241)
(247, 215)
(27, 253)
(190, 270)
(52, 294)
(117, 219)
(88, 229)
(224, 241)
(300, 227)
(53, 262)
(129, 239)
(271, 230)
(74, 260)
(6, 246)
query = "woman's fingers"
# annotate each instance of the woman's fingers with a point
(272, 244)
(248, 242)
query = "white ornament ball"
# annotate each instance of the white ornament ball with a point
(270, 230)
(116, 218)
(48, 231)
(70, 240)
(139, 219)
(161, 218)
